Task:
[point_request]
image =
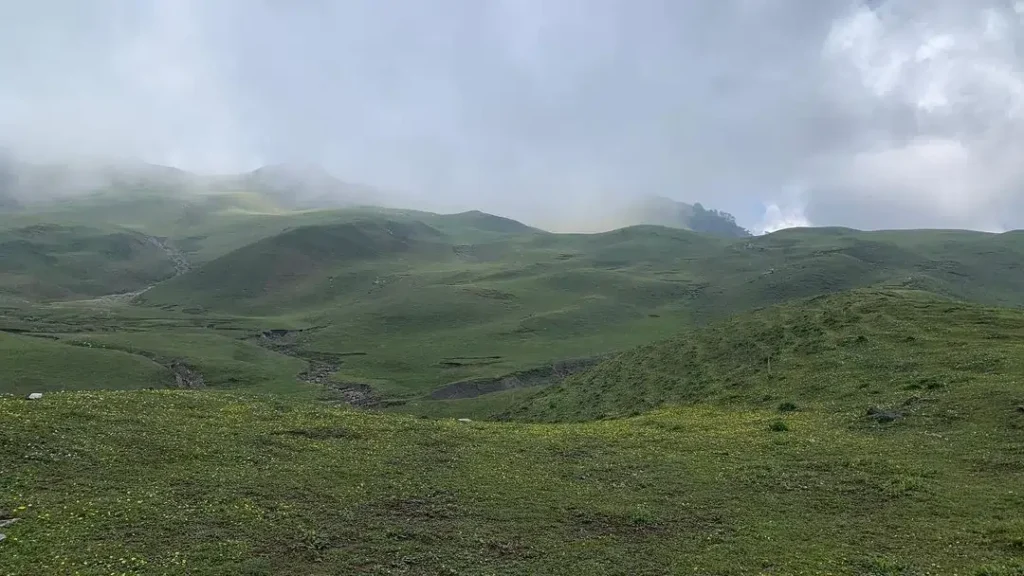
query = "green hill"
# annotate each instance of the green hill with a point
(270, 271)
(883, 412)
(53, 262)
(661, 211)
(418, 305)
(426, 307)
(33, 364)
(814, 401)
(902, 352)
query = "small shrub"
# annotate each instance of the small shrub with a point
(902, 485)
(885, 566)
(787, 407)
(642, 516)
(778, 426)
(992, 570)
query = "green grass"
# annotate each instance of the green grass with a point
(408, 291)
(51, 262)
(111, 342)
(224, 362)
(817, 401)
(29, 364)
(208, 483)
(408, 296)
(904, 351)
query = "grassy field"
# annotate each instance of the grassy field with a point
(40, 365)
(884, 440)
(48, 262)
(898, 351)
(816, 401)
(413, 301)
(209, 483)
(90, 345)
(410, 306)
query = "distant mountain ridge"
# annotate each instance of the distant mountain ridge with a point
(286, 187)
(662, 211)
(23, 184)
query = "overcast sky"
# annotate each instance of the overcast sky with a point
(880, 114)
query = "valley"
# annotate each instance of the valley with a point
(233, 384)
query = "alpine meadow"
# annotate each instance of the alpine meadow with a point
(232, 385)
(512, 288)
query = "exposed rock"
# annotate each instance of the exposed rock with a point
(353, 393)
(883, 416)
(187, 377)
(181, 264)
(464, 420)
(35, 396)
(318, 372)
(540, 376)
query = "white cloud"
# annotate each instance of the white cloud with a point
(954, 75)
(787, 210)
(908, 113)
(779, 218)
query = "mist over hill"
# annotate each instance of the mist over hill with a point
(513, 287)
(663, 211)
(290, 186)
(28, 185)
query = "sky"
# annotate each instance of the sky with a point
(870, 114)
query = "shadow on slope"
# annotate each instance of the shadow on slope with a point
(272, 268)
(51, 262)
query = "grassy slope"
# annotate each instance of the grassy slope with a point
(29, 364)
(420, 309)
(208, 483)
(170, 482)
(420, 305)
(206, 225)
(86, 346)
(939, 360)
(54, 262)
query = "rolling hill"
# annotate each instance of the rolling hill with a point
(421, 308)
(34, 364)
(414, 301)
(885, 439)
(47, 262)
(904, 352)
(813, 401)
